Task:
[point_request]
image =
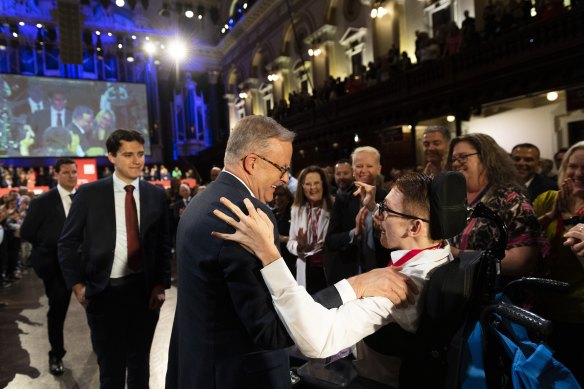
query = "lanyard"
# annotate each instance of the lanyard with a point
(411, 254)
(313, 218)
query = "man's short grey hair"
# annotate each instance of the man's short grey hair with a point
(252, 135)
(445, 131)
(366, 149)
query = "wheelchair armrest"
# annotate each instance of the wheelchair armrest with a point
(534, 283)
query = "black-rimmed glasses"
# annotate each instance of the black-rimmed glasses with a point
(462, 158)
(384, 208)
(283, 169)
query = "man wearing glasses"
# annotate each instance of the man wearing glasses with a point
(404, 215)
(226, 333)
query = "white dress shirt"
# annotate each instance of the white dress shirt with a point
(55, 116)
(65, 198)
(320, 332)
(120, 266)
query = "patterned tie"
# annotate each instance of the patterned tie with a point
(59, 120)
(132, 231)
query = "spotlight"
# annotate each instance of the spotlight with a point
(21, 24)
(133, 37)
(149, 48)
(120, 46)
(189, 13)
(244, 5)
(242, 95)
(38, 25)
(450, 118)
(129, 58)
(120, 3)
(200, 12)
(552, 96)
(177, 50)
(109, 34)
(98, 33)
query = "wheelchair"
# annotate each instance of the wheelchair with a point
(462, 299)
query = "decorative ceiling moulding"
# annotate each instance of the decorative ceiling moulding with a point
(324, 34)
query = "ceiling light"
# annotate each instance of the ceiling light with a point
(552, 96)
(120, 3)
(189, 13)
(39, 25)
(149, 48)
(130, 58)
(450, 118)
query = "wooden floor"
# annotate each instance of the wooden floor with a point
(24, 344)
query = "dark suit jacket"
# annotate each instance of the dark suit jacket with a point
(83, 138)
(226, 333)
(345, 255)
(42, 227)
(41, 120)
(540, 184)
(92, 223)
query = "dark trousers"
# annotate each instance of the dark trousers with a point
(122, 327)
(59, 297)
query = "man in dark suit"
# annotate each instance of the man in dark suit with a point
(526, 158)
(115, 254)
(57, 115)
(226, 333)
(42, 227)
(79, 130)
(354, 245)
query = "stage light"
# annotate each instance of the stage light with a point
(450, 118)
(15, 34)
(98, 33)
(177, 50)
(244, 5)
(242, 95)
(147, 38)
(356, 138)
(149, 48)
(39, 25)
(130, 59)
(109, 34)
(21, 24)
(200, 17)
(162, 47)
(133, 37)
(120, 3)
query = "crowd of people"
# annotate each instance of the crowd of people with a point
(334, 228)
(446, 39)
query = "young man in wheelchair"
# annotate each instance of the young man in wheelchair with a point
(319, 332)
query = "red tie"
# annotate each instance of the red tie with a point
(132, 231)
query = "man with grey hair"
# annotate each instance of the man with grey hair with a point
(435, 141)
(226, 333)
(350, 236)
(224, 318)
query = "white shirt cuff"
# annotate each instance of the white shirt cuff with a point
(277, 276)
(345, 291)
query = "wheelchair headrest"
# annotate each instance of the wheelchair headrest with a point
(448, 206)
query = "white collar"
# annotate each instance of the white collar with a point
(240, 180)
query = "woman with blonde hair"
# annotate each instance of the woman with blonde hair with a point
(308, 226)
(558, 211)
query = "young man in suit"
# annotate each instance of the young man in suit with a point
(42, 227)
(226, 333)
(115, 254)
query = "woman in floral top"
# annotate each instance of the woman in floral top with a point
(492, 179)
